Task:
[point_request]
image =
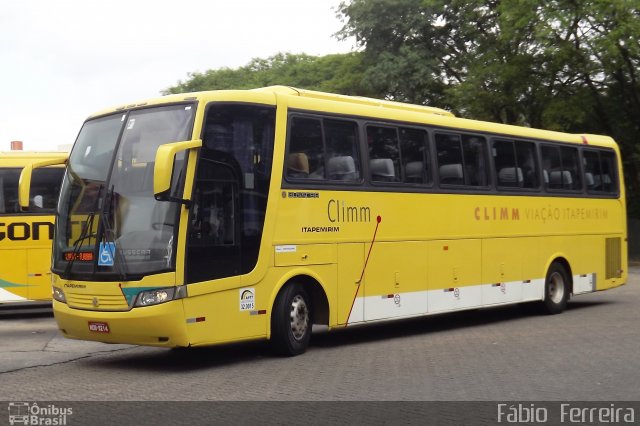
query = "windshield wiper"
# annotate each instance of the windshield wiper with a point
(84, 234)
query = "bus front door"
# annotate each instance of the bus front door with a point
(213, 249)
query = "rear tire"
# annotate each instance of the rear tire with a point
(556, 289)
(291, 321)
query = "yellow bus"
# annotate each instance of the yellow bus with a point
(26, 234)
(222, 216)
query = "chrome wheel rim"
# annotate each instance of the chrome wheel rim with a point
(299, 317)
(556, 287)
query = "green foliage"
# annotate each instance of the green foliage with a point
(339, 73)
(558, 64)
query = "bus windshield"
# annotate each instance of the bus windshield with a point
(109, 222)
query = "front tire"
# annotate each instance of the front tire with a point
(291, 321)
(556, 289)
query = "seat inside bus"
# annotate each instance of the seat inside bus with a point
(342, 168)
(510, 175)
(298, 165)
(452, 174)
(413, 172)
(382, 169)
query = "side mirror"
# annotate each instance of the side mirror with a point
(163, 168)
(24, 184)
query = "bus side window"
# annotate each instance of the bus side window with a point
(527, 162)
(570, 167)
(592, 172)
(450, 160)
(45, 187)
(608, 167)
(322, 149)
(504, 159)
(306, 153)
(475, 160)
(3, 208)
(415, 156)
(341, 144)
(599, 171)
(515, 164)
(9, 190)
(552, 166)
(462, 159)
(384, 154)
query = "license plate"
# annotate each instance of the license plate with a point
(98, 327)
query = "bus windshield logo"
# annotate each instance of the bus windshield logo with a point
(107, 252)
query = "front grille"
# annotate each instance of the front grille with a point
(98, 302)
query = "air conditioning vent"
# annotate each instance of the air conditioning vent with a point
(613, 258)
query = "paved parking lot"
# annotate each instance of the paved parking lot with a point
(590, 352)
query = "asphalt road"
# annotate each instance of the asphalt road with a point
(591, 352)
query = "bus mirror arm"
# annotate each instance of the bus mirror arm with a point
(24, 183)
(163, 169)
(166, 197)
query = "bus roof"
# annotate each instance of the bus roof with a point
(292, 91)
(368, 107)
(22, 158)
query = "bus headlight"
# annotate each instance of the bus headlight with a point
(161, 295)
(58, 295)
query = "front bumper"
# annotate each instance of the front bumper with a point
(159, 325)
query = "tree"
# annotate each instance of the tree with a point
(558, 64)
(339, 73)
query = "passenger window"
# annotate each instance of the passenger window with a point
(341, 144)
(44, 191)
(415, 156)
(504, 159)
(570, 163)
(515, 164)
(306, 152)
(475, 160)
(323, 149)
(462, 159)
(9, 190)
(551, 163)
(450, 168)
(45, 188)
(608, 165)
(592, 172)
(599, 171)
(560, 167)
(384, 154)
(527, 161)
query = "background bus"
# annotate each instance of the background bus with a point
(26, 235)
(213, 217)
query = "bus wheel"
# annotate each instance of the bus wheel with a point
(291, 321)
(556, 289)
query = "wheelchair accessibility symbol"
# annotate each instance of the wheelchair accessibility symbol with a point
(106, 254)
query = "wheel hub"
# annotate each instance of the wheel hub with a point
(299, 317)
(556, 287)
